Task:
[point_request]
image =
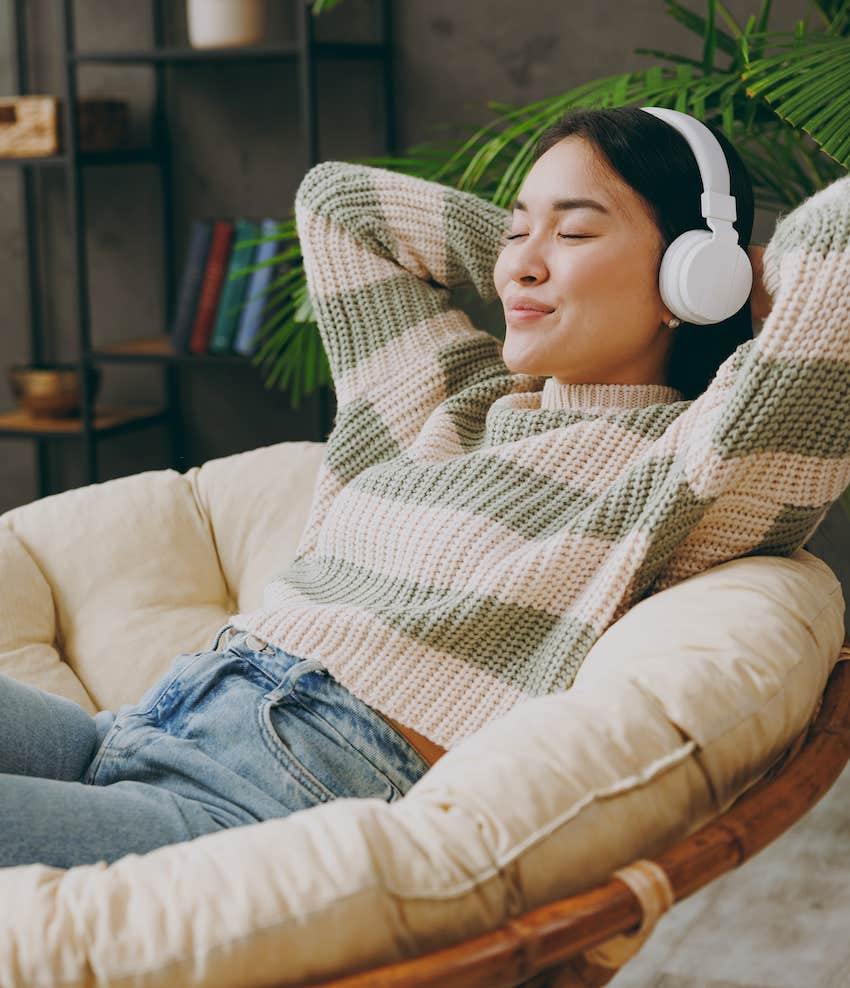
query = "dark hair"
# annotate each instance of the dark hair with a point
(658, 163)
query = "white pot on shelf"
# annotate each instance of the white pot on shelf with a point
(225, 23)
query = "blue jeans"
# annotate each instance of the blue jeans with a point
(224, 738)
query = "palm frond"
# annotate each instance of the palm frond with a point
(700, 25)
(805, 85)
(322, 6)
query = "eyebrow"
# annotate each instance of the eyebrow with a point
(563, 204)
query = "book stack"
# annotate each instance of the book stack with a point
(215, 312)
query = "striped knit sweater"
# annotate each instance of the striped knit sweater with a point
(473, 532)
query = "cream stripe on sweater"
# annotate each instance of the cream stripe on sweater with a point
(473, 532)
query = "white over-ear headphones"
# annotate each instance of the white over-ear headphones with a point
(705, 275)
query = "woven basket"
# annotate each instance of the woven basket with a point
(32, 126)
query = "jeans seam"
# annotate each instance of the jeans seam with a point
(348, 741)
(181, 810)
(151, 707)
(265, 673)
(282, 754)
(401, 737)
(107, 743)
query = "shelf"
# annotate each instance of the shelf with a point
(41, 160)
(301, 53)
(157, 349)
(347, 49)
(108, 420)
(351, 49)
(122, 157)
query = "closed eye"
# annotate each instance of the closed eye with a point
(565, 236)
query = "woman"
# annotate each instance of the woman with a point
(484, 510)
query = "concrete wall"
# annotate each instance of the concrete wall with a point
(238, 149)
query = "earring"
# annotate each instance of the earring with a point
(674, 323)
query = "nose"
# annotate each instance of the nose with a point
(526, 264)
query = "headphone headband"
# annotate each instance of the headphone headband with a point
(715, 201)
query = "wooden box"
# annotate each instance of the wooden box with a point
(31, 126)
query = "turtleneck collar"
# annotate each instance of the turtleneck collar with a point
(602, 397)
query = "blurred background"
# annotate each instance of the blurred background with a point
(239, 146)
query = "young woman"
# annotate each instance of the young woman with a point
(484, 510)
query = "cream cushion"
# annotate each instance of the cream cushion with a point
(682, 705)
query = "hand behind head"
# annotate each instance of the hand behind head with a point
(761, 302)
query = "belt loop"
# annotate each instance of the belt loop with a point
(218, 637)
(293, 674)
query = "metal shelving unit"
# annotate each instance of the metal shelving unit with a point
(95, 423)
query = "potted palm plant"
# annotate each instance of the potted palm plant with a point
(778, 95)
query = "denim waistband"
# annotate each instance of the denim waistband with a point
(258, 644)
(226, 634)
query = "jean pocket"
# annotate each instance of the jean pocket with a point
(318, 753)
(285, 752)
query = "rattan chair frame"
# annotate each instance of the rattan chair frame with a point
(545, 947)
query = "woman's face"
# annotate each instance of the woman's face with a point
(606, 320)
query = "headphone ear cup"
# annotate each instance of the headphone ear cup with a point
(704, 280)
(670, 275)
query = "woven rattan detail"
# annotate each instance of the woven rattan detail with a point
(653, 890)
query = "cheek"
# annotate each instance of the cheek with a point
(612, 278)
(500, 278)
(588, 277)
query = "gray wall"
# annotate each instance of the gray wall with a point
(237, 149)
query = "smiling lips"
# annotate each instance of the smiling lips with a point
(525, 307)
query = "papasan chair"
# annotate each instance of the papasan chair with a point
(540, 850)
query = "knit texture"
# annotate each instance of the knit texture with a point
(473, 532)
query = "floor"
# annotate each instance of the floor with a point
(780, 920)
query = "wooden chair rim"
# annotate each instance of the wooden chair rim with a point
(552, 939)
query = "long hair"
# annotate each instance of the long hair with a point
(657, 162)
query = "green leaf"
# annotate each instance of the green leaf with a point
(322, 6)
(677, 59)
(804, 84)
(710, 39)
(698, 25)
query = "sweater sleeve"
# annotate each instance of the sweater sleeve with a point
(755, 462)
(382, 250)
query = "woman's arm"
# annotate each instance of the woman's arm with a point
(381, 249)
(762, 454)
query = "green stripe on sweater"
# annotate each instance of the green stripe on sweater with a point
(810, 393)
(536, 652)
(367, 318)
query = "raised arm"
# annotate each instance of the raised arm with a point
(381, 252)
(381, 249)
(762, 454)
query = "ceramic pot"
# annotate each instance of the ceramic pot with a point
(225, 23)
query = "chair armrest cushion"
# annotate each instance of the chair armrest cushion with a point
(125, 575)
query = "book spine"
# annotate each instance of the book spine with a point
(234, 288)
(249, 324)
(211, 286)
(200, 237)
